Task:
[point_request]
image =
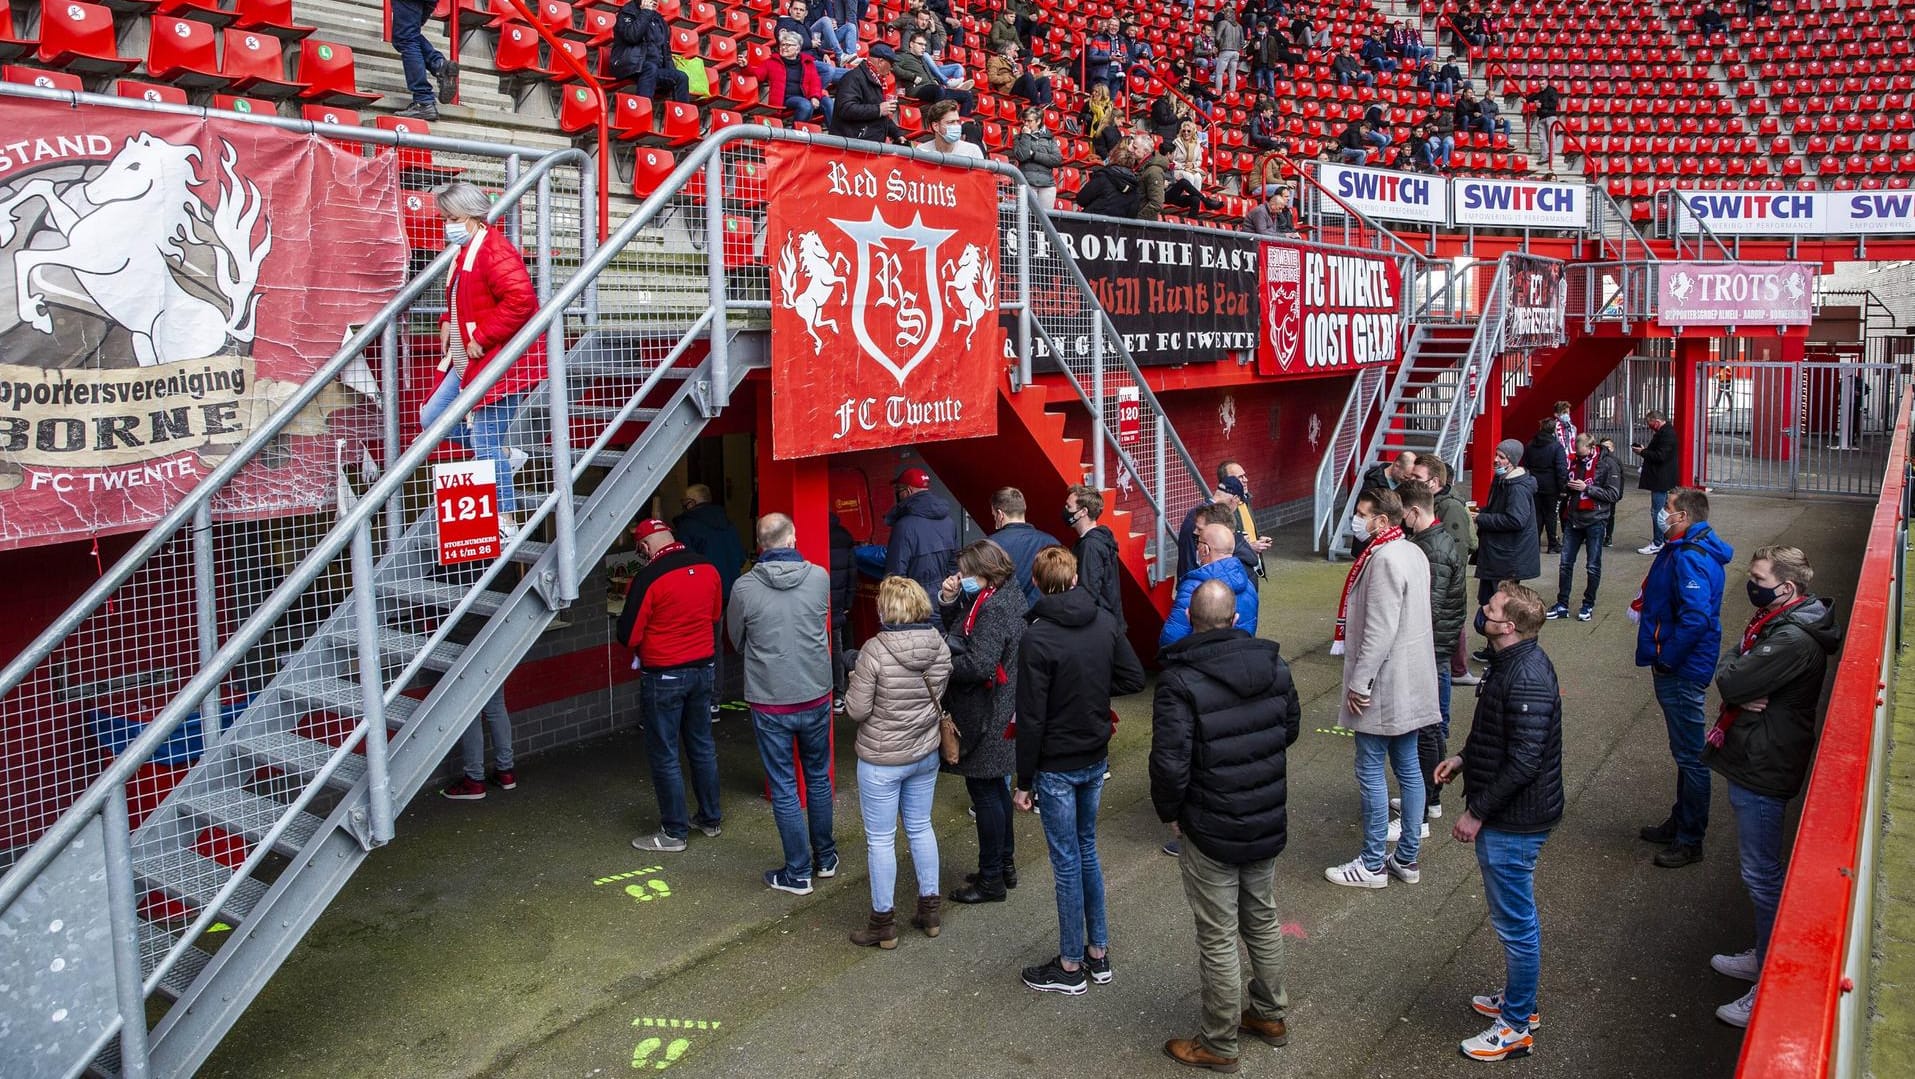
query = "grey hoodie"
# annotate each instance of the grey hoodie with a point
(777, 619)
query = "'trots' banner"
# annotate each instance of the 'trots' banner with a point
(884, 322)
(174, 281)
(1327, 313)
(1798, 213)
(1735, 293)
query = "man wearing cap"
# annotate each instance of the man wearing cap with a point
(860, 107)
(1229, 493)
(1507, 548)
(924, 532)
(670, 623)
(1246, 517)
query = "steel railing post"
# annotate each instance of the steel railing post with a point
(1023, 285)
(1097, 396)
(206, 614)
(372, 692)
(389, 415)
(588, 233)
(715, 279)
(558, 405)
(121, 917)
(513, 228)
(1163, 498)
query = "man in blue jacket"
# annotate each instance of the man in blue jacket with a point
(1678, 636)
(924, 532)
(1216, 561)
(1019, 538)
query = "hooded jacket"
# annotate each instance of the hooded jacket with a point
(1112, 191)
(888, 697)
(1154, 176)
(1022, 540)
(1226, 710)
(1070, 663)
(1097, 571)
(1769, 751)
(1228, 570)
(778, 620)
(1544, 459)
(924, 541)
(1513, 761)
(705, 529)
(1449, 587)
(1506, 546)
(1681, 627)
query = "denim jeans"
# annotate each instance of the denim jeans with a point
(416, 55)
(845, 37)
(810, 730)
(1576, 538)
(1508, 860)
(1445, 689)
(1681, 702)
(1265, 79)
(1232, 903)
(802, 109)
(1350, 156)
(1657, 500)
(486, 431)
(1374, 793)
(675, 703)
(884, 789)
(649, 81)
(1758, 825)
(472, 744)
(1069, 801)
(1443, 147)
(992, 800)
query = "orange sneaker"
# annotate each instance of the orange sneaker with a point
(1500, 1042)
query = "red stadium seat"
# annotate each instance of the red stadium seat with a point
(147, 91)
(599, 24)
(678, 125)
(273, 17)
(236, 103)
(554, 14)
(654, 164)
(184, 52)
(518, 52)
(206, 11)
(329, 114)
(256, 65)
(12, 46)
(631, 116)
(327, 70)
(579, 110)
(741, 91)
(80, 38)
(45, 80)
(684, 42)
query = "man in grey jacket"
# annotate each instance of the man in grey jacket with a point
(777, 619)
(1589, 511)
(1229, 50)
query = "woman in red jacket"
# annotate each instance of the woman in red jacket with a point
(489, 298)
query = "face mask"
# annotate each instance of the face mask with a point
(971, 585)
(1360, 527)
(1662, 520)
(456, 234)
(953, 132)
(1070, 518)
(1502, 470)
(1763, 597)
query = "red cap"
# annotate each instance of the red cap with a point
(650, 526)
(914, 477)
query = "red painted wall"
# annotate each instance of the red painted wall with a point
(1266, 426)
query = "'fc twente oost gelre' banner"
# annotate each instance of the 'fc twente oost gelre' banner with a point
(884, 323)
(174, 280)
(1328, 313)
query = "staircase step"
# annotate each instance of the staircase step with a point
(345, 698)
(251, 816)
(608, 412)
(305, 756)
(155, 942)
(427, 593)
(197, 880)
(398, 644)
(527, 553)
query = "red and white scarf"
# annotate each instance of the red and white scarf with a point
(1394, 532)
(1584, 469)
(1731, 712)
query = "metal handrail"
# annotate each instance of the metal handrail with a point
(1350, 212)
(1676, 206)
(603, 124)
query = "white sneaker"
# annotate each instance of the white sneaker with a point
(1651, 549)
(1469, 679)
(1740, 965)
(1408, 874)
(1354, 874)
(515, 458)
(1499, 1042)
(1435, 811)
(1432, 811)
(1395, 833)
(1492, 1006)
(508, 526)
(1736, 1012)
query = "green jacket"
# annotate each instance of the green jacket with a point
(1155, 177)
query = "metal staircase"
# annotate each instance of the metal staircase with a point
(359, 661)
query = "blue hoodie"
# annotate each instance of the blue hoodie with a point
(1228, 570)
(924, 541)
(1681, 627)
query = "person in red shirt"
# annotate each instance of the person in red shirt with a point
(670, 622)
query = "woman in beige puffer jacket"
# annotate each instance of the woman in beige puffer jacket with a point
(893, 696)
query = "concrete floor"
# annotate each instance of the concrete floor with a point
(523, 936)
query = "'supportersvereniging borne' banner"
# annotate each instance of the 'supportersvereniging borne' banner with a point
(1735, 293)
(884, 322)
(175, 280)
(1328, 313)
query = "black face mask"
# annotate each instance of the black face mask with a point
(1070, 518)
(1760, 596)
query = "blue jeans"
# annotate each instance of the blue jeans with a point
(416, 55)
(487, 427)
(845, 37)
(1508, 861)
(1758, 825)
(675, 703)
(1445, 688)
(1576, 538)
(1443, 148)
(1069, 803)
(1681, 702)
(810, 730)
(1657, 501)
(1374, 795)
(802, 109)
(472, 743)
(882, 790)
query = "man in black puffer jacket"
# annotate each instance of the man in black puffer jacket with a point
(1512, 768)
(1449, 608)
(1226, 711)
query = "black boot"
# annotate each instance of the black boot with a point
(984, 890)
(1010, 877)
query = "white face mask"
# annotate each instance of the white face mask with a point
(1360, 527)
(456, 233)
(953, 132)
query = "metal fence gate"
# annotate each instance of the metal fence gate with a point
(1796, 428)
(1641, 382)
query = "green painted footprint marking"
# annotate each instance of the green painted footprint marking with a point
(642, 1052)
(648, 891)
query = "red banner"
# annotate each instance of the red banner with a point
(1327, 312)
(174, 281)
(884, 327)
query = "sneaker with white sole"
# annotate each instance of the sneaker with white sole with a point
(1354, 874)
(1653, 548)
(659, 841)
(1492, 1006)
(1585, 614)
(1736, 1012)
(825, 867)
(1395, 833)
(780, 881)
(1431, 810)
(1560, 610)
(1500, 1042)
(1407, 872)
(515, 458)
(1467, 678)
(1435, 810)
(1740, 965)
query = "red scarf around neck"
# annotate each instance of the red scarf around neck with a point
(1731, 712)
(1394, 532)
(1586, 473)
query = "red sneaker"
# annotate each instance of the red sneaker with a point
(466, 789)
(506, 781)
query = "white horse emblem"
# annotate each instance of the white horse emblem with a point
(1286, 327)
(973, 280)
(127, 234)
(822, 272)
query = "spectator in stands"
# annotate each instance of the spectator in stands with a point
(1099, 120)
(423, 64)
(1003, 31)
(1679, 636)
(1262, 218)
(1444, 80)
(1449, 609)
(1113, 189)
(1465, 111)
(791, 81)
(1216, 561)
(1408, 43)
(1547, 100)
(1512, 770)
(895, 700)
(1029, 22)
(1384, 634)
(1506, 526)
(1095, 550)
(860, 107)
(1225, 712)
(1418, 153)
(1001, 69)
(1019, 539)
(1154, 172)
(818, 45)
(1348, 70)
(1305, 33)
(1135, 52)
(947, 131)
(1442, 134)
(1266, 128)
(837, 24)
(777, 620)
(470, 787)
(1710, 21)
(1071, 661)
(844, 587)
(1589, 508)
(1354, 142)
(669, 622)
(1544, 459)
(924, 535)
(1203, 53)
(1034, 84)
(1035, 152)
(1229, 51)
(1102, 60)
(1376, 53)
(1167, 116)
(1261, 61)
(920, 19)
(1490, 116)
(1764, 739)
(642, 52)
(1188, 169)
(1658, 472)
(917, 79)
(983, 614)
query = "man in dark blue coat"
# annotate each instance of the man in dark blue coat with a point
(924, 532)
(1019, 538)
(704, 528)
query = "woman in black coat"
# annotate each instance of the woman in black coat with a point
(1544, 459)
(984, 621)
(1506, 547)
